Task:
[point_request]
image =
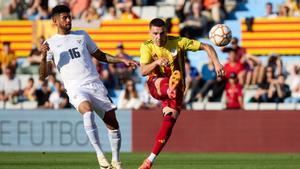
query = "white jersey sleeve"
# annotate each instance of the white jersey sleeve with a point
(91, 45)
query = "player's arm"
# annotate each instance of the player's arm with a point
(214, 57)
(105, 57)
(148, 68)
(45, 65)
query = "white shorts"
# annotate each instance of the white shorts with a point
(96, 94)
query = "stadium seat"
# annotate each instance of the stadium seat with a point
(149, 12)
(137, 10)
(214, 106)
(248, 94)
(167, 2)
(267, 106)
(9, 105)
(36, 79)
(1, 105)
(297, 106)
(196, 106)
(286, 106)
(23, 78)
(166, 11)
(251, 106)
(29, 105)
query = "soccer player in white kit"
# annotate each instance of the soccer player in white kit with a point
(72, 52)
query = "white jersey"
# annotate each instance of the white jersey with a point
(71, 54)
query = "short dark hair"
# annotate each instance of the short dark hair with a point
(157, 22)
(60, 9)
(6, 43)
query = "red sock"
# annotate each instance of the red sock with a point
(163, 134)
(164, 86)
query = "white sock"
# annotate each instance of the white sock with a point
(115, 143)
(151, 157)
(92, 132)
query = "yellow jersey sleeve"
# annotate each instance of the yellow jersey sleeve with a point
(189, 44)
(146, 54)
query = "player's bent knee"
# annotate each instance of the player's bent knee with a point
(84, 107)
(110, 120)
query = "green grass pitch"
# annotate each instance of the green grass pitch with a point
(164, 161)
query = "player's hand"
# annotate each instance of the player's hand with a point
(44, 49)
(162, 62)
(131, 63)
(219, 70)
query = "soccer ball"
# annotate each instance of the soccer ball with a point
(220, 34)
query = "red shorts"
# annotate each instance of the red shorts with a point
(165, 100)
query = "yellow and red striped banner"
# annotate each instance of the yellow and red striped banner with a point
(276, 35)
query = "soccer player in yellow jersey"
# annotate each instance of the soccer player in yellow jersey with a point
(162, 60)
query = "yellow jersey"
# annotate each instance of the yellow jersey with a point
(174, 50)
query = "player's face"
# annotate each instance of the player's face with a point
(158, 35)
(64, 22)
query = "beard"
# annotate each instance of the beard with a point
(67, 28)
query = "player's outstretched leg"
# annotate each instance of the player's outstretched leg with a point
(90, 128)
(161, 138)
(114, 136)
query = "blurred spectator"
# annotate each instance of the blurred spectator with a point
(234, 93)
(123, 72)
(78, 7)
(90, 15)
(292, 6)
(127, 13)
(29, 90)
(194, 25)
(269, 11)
(51, 81)
(284, 11)
(275, 62)
(263, 87)
(15, 9)
(297, 10)
(10, 86)
(234, 66)
(253, 70)
(109, 82)
(129, 98)
(122, 4)
(37, 9)
(32, 62)
(278, 90)
(202, 85)
(147, 99)
(293, 80)
(111, 14)
(183, 8)
(252, 65)
(100, 6)
(234, 44)
(215, 9)
(59, 98)
(42, 96)
(8, 57)
(217, 90)
(192, 75)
